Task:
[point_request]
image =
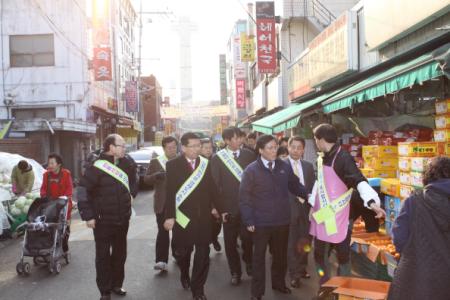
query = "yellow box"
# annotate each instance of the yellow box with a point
(390, 186)
(442, 135)
(447, 149)
(418, 164)
(405, 191)
(442, 121)
(367, 172)
(405, 178)
(443, 107)
(404, 164)
(373, 151)
(382, 163)
(421, 149)
(384, 173)
(416, 179)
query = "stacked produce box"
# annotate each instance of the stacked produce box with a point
(380, 161)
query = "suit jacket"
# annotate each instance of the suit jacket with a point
(300, 211)
(197, 206)
(159, 185)
(226, 182)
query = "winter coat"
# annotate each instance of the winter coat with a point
(22, 181)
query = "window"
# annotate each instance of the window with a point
(31, 50)
(37, 113)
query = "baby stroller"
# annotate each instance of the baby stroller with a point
(44, 231)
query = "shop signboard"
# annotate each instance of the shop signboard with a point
(131, 99)
(240, 93)
(102, 64)
(223, 78)
(266, 37)
(177, 112)
(247, 48)
(298, 77)
(334, 52)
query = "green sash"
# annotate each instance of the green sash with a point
(232, 165)
(162, 159)
(328, 210)
(187, 188)
(113, 171)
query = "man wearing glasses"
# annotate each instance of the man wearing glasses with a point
(104, 202)
(190, 194)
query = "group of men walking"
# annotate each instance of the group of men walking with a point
(262, 200)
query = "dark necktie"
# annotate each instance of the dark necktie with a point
(235, 155)
(270, 164)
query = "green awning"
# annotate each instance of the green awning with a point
(286, 118)
(399, 77)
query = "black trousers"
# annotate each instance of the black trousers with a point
(277, 238)
(231, 231)
(110, 255)
(321, 255)
(162, 240)
(200, 268)
(216, 228)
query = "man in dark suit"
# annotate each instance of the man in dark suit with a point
(190, 194)
(227, 167)
(299, 239)
(156, 176)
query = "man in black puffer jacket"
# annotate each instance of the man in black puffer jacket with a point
(104, 202)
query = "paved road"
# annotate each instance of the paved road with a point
(77, 280)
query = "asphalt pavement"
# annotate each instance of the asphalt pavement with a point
(77, 280)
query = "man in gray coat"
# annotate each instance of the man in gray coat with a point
(156, 176)
(299, 239)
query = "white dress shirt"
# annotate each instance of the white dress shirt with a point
(266, 163)
(298, 164)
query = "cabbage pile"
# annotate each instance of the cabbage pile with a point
(23, 203)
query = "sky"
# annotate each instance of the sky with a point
(214, 20)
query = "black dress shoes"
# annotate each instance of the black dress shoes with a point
(284, 290)
(119, 291)
(306, 275)
(295, 283)
(185, 282)
(217, 246)
(235, 279)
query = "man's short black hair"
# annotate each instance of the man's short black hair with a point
(205, 141)
(251, 135)
(296, 138)
(110, 140)
(22, 165)
(229, 132)
(438, 168)
(326, 132)
(56, 157)
(167, 140)
(188, 136)
(263, 140)
(282, 151)
(240, 133)
(282, 140)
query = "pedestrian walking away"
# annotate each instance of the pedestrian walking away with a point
(57, 182)
(299, 237)
(227, 167)
(265, 208)
(337, 176)
(104, 202)
(190, 194)
(156, 176)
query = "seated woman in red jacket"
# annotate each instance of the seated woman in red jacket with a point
(57, 182)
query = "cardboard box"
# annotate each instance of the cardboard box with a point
(404, 164)
(382, 163)
(358, 288)
(392, 203)
(369, 152)
(405, 178)
(384, 173)
(367, 172)
(418, 164)
(416, 179)
(405, 191)
(442, 107)
(391, 187)
(442, 135)
(421, 149)
(447, 149)
(442, 121)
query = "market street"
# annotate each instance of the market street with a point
(77, 280)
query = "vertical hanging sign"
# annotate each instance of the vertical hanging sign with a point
(102, 64)
(266, 37)
(240, 93)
